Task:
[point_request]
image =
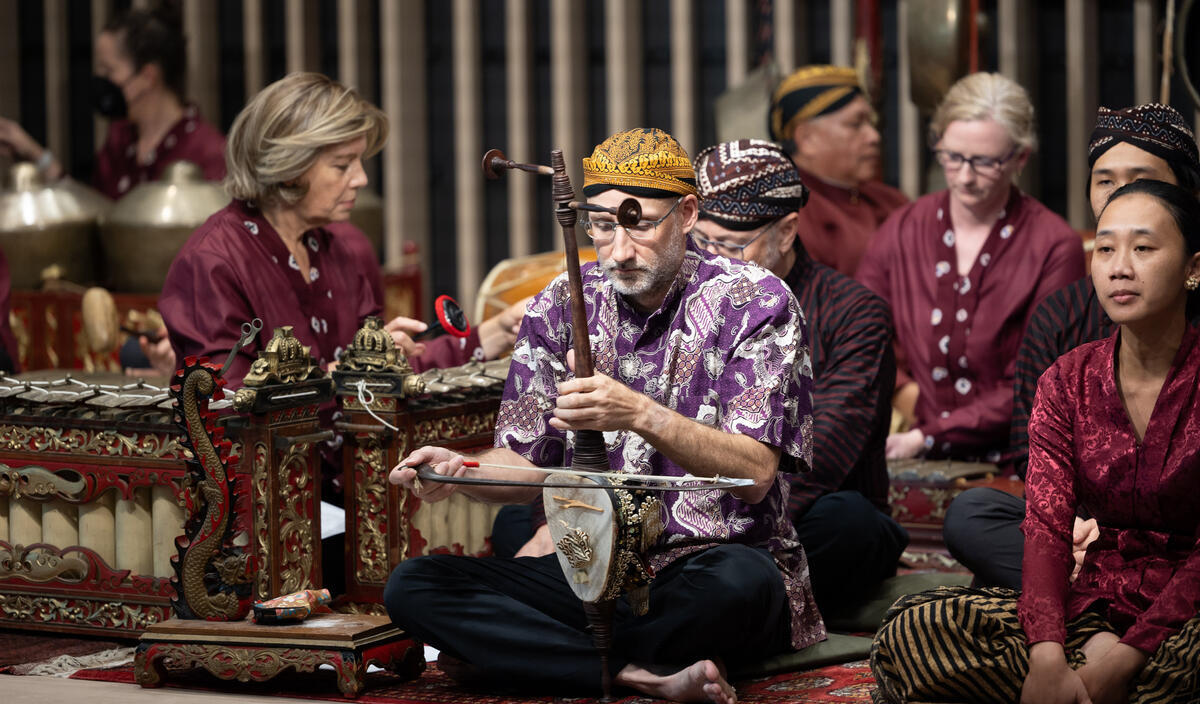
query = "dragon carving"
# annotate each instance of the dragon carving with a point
(212, 577)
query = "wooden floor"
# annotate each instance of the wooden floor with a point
(31, 690)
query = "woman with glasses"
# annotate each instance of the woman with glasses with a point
(963, 269)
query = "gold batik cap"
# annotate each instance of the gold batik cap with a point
(645, 161)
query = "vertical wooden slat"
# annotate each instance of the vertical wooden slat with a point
(785, 36)
(357, 36)
(623, 64)
(1008, 42)
(1016, 55)
(909, 123)
(57, 102)
(101, 13)
(1145, 60)
(303, 45)
(568, 120)
(518, 54)
(348, 33)
(10, 73)
(1081, 104)
(683, 75)
(203, 81)
(841, 33)
(406, 177)
(468, 147)
(252, 41)
(737, 42)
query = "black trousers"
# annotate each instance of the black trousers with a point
(518, 622)
(851, 547)
(982, 529)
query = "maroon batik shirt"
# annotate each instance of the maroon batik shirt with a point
(957, 336)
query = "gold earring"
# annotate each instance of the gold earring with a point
(1192, 283)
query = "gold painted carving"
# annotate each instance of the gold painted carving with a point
(260, 477)
(431, 432)
(206, 486)
(79, 610)
(51, 336)
(371, 498)
(105, 443)
(233, 663)
(295, 527)
(39, 483)
(39, 564)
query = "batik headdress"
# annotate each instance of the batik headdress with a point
(1158, 129)
(810, 92)
(747, 183)
(644, 162)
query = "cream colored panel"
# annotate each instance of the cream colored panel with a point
(24, 521)
(60, 523)
(167, 517)
(134, 533)
(97, 527)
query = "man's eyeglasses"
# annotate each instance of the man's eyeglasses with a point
(982, 165)
(733, 251)
(602, 231)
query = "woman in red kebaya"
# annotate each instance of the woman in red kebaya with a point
(1115, 430)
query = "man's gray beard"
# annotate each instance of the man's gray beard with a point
(649, 278)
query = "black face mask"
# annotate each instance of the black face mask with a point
(108, 99)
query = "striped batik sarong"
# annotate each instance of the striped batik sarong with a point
(964, 644)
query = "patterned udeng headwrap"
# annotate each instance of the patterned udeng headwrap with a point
(644, 162)
(746, 183)
(1159, 129)
(810, 92)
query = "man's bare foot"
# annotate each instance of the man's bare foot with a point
(460, 671)
(701, 681)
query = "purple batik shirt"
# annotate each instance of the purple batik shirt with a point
(728, 348)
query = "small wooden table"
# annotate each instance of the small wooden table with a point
(245, 651)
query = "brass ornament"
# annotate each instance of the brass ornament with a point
(374, 350)
(284, 360)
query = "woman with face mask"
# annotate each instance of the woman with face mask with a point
(139, 85)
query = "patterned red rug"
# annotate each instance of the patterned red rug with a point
(836, 684)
